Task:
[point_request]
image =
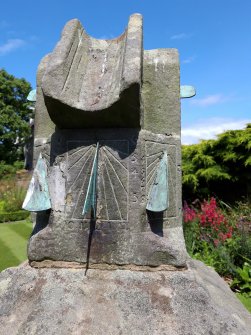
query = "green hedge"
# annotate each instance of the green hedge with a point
(14, 216)
(9, 170)
(219, 167)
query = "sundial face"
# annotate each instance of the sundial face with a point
(112, 178)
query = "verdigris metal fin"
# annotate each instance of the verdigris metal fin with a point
(91, 194)
(32, 96)
(38, 197)
(187, 91)
(158, 197)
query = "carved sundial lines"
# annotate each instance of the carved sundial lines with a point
(115, 158)
(154, 154)
(80, 196)
(81, 149)
(103, 193)
(116, 163)
(74, 158)
(112, 178)
(81, 158)
(151, 177)
(116, 179)
(76, 178)
(118, 174)
(78, 162)
(113, 192)
(151, 168)
(152, 164)
(119, 180)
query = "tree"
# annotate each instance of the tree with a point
(14, 116)
(219, 167)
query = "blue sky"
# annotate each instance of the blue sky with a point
(213, 38)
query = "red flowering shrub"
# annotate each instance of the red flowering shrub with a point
(213, 225)
(221, 239)
(189, 214)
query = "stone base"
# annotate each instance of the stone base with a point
(66, 301)
(124, 231)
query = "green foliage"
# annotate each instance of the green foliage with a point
(220, 258)
(11, 200)
(14, 216)
(12, 197)
(220, 166)
(14, 116)
(242, 281)
(9, 170)
(192, 237)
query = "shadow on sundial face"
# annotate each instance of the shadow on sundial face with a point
(65, 140)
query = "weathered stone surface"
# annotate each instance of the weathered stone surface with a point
(44, 127)
(161, 92)
(133, 126)
(95, 83)
(66, 301)
(125, 232)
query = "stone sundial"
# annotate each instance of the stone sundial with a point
(108, 153)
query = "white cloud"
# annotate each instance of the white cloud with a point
(180, 36)
(209, 129)
(210, 100)
(189, 60)
(11, 45)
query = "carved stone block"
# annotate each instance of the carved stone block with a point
(115, 96)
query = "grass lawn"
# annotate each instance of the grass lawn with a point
(246, 301)
(13, 243)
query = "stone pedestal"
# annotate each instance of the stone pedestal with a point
(65, 301)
